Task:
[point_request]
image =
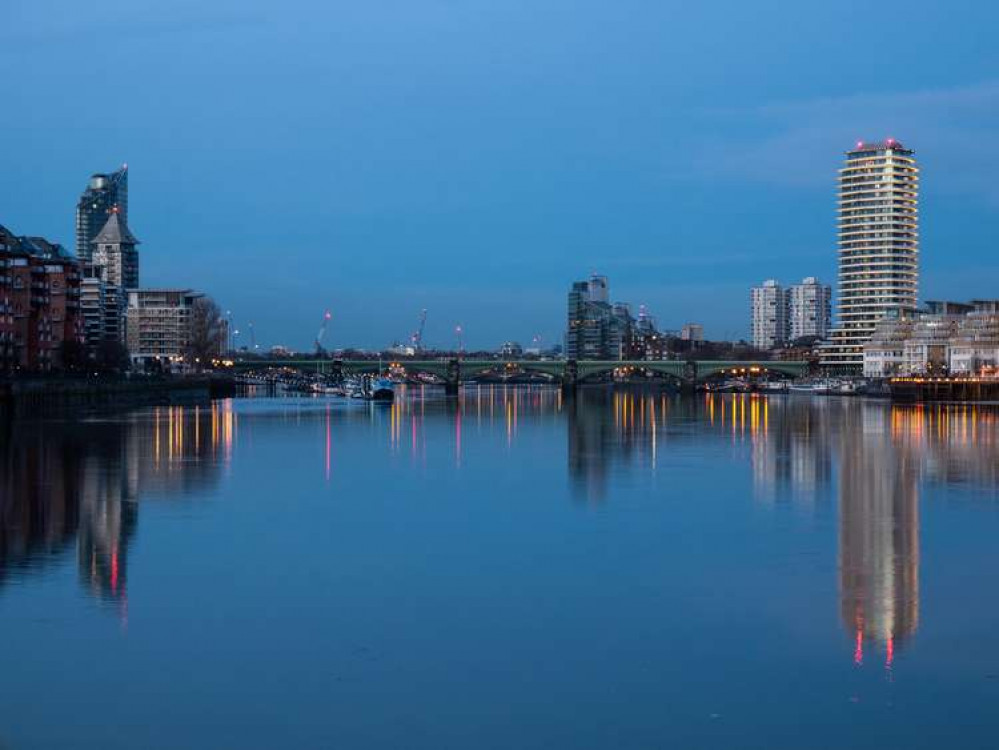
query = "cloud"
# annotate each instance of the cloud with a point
(792, 144)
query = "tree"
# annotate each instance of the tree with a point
(73, 355)
(111, 356)
(207, 333)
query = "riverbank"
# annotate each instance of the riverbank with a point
(21, 396)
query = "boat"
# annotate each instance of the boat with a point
(369, 388)
(381, 389)
(847, 388)
(814, 387)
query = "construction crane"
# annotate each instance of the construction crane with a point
(417, 338)
(322, 332)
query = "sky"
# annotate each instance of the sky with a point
(474, 157)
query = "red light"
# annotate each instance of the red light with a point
(114, 571)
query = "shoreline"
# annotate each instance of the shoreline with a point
(29, 396)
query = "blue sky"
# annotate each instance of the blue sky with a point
(474, 157)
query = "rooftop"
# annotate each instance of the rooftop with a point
(887, 143)
(115, 232)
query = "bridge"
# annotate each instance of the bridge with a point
(566, 373)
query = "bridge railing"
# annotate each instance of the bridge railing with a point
(565, 371)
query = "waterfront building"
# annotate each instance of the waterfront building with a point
(39, 302)
(104, 193)
(115, 255)
(101, 307)
(884, 353)
(944, 338)
(769, 322)
(878, 229)
(598, 329)
(594, 326)
(512, 350)
(158, 324)
(974, 348)
(8, 244)
(809, 309)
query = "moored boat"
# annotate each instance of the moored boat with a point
(381, 389)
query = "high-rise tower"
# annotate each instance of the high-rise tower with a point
(808, 309)
(114, 254)
(104, 192)
(768, 315)
(878, 245)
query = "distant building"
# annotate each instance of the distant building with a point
(104, 193)
(769, 322)
(781, 315)
(809, 309)
(692, 332)
(647, 342)
(115, 255)
(401, 350)
(39, 303)
(878, 245)
(158, 324)
(594, 327)
(511, 349)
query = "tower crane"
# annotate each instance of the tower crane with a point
(322, 332)
(417, 337)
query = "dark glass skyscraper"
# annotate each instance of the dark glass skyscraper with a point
(104, 192)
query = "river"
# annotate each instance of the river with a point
(511, 569)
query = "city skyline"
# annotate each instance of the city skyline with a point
(408, 186)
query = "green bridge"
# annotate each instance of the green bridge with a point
(567, 373)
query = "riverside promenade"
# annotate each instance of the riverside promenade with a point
(40, 394)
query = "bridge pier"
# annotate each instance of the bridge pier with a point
(452, 380)
(570, 377)
(688, 383)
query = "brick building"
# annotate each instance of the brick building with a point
(39, 303)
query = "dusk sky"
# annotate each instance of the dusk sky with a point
(475, 157)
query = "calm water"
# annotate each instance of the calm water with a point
(622, 570)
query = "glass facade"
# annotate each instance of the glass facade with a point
(104, 192)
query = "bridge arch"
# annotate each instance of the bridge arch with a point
(707, 369)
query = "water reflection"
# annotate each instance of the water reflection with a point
(78, 482)
(879, 526)
(609, 430)
(883, 452)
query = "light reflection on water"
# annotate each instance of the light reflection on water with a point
(79, 489)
